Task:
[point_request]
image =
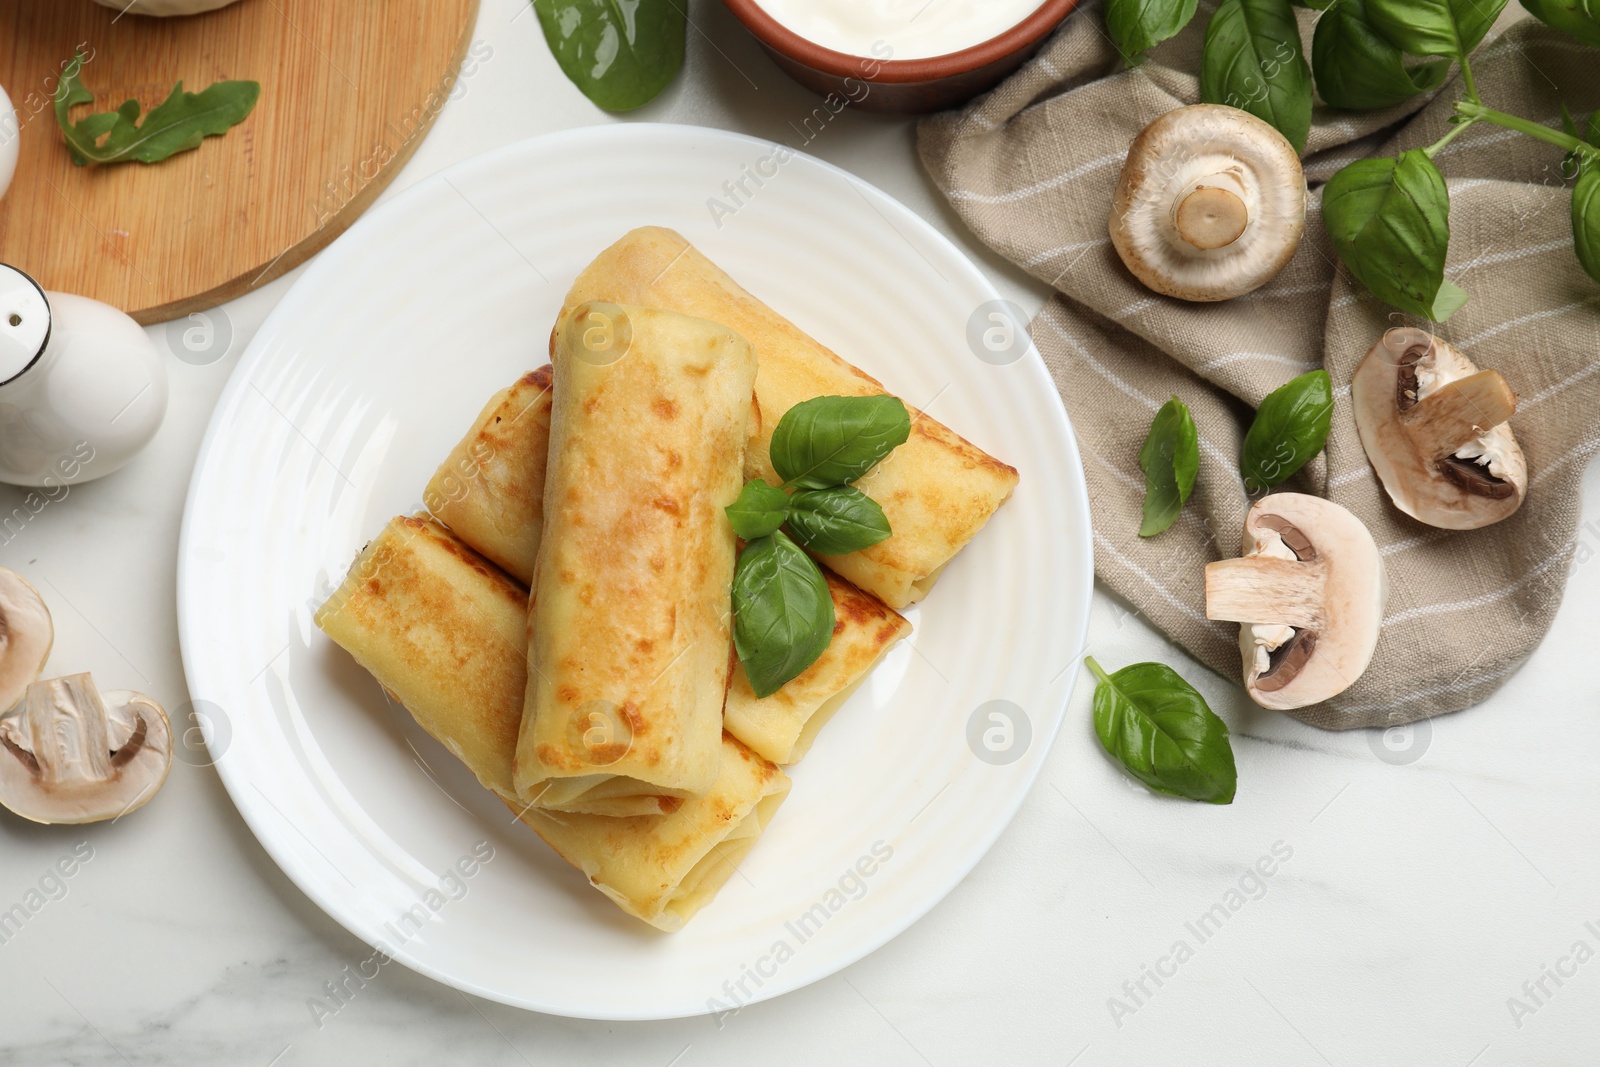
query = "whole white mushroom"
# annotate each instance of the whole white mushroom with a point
(1211, 203)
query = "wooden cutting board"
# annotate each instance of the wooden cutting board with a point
(348, 90)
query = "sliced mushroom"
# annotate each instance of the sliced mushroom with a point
(1308, 592)
(1211, 203)
(70, 754)
(26, 634)
(1434, 427)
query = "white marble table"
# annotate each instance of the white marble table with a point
(1419, 882)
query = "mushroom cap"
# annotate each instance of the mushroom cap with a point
(71, 754)
(1431, 482)
(1210, 205)
(26, 635)
(1350, 605)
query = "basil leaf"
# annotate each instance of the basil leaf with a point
(1390, 223)
(620, 53)
(1136, 26)
(1290, 428)
(1170, 459)
(831, 522)
(833, 440)
(1435, 27)
(1586, 219)
(1356, 66)
(1580, 18)
(758, 511)
(177, 124)
(1160, 729)
(1252, 61)
(782, 612)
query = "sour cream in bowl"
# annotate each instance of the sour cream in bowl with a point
(900, 56)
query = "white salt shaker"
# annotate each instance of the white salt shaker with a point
(82, 388)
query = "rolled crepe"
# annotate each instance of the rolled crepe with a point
(490, 490)
(629, 632)
(501, 506)
(443, 631)
(937, 489)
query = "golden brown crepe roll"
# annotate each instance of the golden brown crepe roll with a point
(443, 631)
(664, 868)
(780, 727)
(937, 489)
(490, 491)
(629, 631)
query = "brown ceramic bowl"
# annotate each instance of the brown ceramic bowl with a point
(902, 86)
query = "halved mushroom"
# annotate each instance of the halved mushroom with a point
(1434, 427)
(1210, 205)
(26, 634)
(70, 754)
(1308, 591)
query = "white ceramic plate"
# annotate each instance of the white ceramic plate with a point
(353, 391)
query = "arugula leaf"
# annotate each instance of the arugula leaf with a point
(1252, 61)
(1170, 460)
(1356, 66)
(1136, 26)
(620, 53)
(1580, 18)
(782, 612)
(831, 522)
(178, 124)
(1435, 27)
(1390, 223)
(833, 440)
(1290, 428)
(758, 511)
(1161, 730)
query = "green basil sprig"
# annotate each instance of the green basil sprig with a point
(1136, 26)
(621, 55)
(1580, 18)
(177, 124)
(1170, 460)
(1450, 28)
(831, 522)
(1356, 66)
(1290, 428)
(1161, 730)
(834, 440)
(782, 611)
(1390, 223)
(1252, 61)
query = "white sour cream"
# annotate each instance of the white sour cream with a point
(907, 29)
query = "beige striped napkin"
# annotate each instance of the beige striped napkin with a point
(1031, 169)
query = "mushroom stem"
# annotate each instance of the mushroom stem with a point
(66, 742)
(1461, 410)
(1265, 590)
(1209, 217)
